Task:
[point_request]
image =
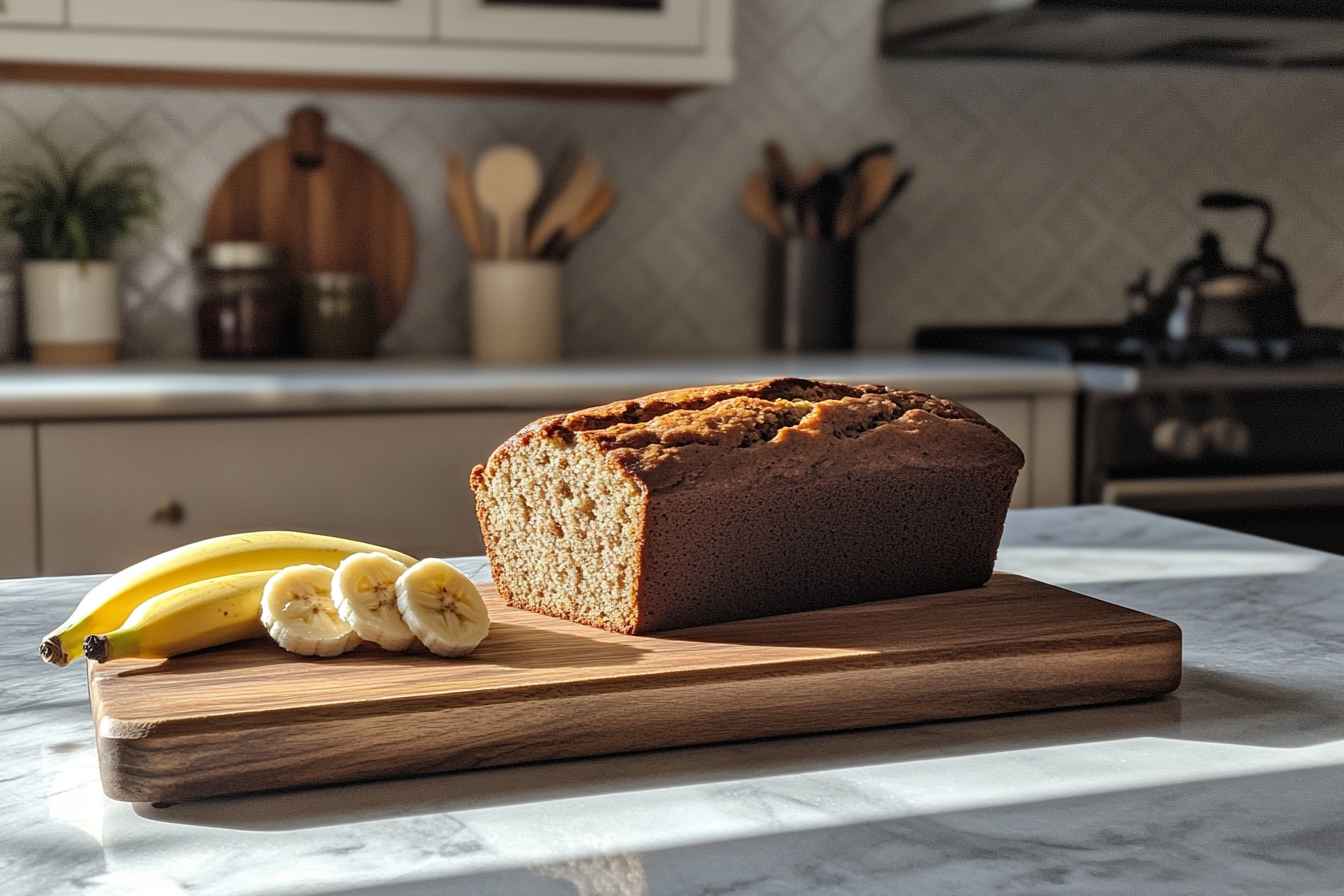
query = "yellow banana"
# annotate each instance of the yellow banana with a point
(107, 606)
(193, 617)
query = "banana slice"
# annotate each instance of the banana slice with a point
(297, 611)
(442, 607)
(364, 591)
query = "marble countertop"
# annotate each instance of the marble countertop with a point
(1231, 785)
(224, 388)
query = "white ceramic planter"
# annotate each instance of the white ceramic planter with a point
(72, 310)
(517, 311)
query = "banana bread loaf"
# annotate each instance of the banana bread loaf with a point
(703, 505)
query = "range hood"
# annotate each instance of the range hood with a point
(1267, 33)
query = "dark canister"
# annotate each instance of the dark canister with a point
(338, 315)
(246, 301)
(810, 294)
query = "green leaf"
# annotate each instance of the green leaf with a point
(76, 210)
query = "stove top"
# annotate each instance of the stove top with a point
(1116, 358)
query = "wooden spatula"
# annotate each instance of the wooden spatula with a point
(586, 221)
(569, 202)
(758, 201)
(462, 203)
(507, 181)
(555, 176)
(876, 175)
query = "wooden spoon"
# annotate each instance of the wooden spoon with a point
(462, 203)
(569, 202)
(758, 201)
(508, 179)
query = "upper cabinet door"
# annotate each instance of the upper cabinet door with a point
(32, 12)
(661, 24)
(333, 18)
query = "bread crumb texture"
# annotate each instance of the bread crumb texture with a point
(720, 502)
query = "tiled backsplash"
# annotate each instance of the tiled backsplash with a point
(1041, 189)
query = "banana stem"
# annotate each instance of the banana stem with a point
(52, 652)
(96, 648)
(61, 647)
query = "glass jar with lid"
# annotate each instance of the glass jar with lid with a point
(338, 315)
(246, 306)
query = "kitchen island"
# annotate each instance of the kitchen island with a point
(1230, 785)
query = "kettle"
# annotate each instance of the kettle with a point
(1206, 298)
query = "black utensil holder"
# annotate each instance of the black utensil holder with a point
(810, 295)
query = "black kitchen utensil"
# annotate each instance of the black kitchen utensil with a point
(826, 195)
(811, 273)
(779, 173)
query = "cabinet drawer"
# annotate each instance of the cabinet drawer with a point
(405, 19)
(667, 24)
(114, 493)
(18, 503)
(32, 12)
(1013, 416)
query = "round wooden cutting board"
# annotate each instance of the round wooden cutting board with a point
(327, 203)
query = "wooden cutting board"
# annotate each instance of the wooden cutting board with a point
(327, 203)
(250, 717)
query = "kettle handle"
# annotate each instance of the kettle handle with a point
(1230, 200)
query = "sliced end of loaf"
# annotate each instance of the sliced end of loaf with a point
(561, 528)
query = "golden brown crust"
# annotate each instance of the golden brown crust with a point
(649, 407)
(643, 434)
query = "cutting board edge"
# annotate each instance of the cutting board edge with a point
(161, 767)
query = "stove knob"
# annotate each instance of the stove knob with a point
(1178, 438)
(1228, 436)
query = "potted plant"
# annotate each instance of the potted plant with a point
(68, 216)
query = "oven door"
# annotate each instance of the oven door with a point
(1299, 508)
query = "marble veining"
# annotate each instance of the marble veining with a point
(1231, 785)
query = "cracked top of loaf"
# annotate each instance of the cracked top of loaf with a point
(776, 427)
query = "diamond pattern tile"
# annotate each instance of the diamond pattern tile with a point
(156, 137)
(75, 128)
(1042, 189)
(34, 105)
(232, 136)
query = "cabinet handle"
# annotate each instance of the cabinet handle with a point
(170, 514)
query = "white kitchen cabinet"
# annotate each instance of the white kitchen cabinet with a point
(32, 12)
(678, 43)
(373, 19)
(1013, 416)
(671, 24)
(114, 493)
(1052, 450)
(18, 502)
